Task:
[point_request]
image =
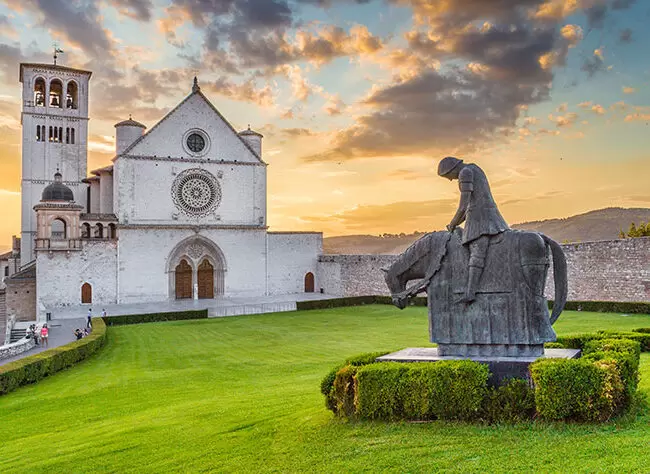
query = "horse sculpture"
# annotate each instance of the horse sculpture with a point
(509, 317)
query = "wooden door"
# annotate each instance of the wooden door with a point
(309, 282)
(86, 293)
(183, 280)
(206, 280)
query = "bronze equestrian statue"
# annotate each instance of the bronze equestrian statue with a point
(485, 284)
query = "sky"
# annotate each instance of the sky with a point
(358, 100)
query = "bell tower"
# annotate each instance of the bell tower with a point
(54, 120)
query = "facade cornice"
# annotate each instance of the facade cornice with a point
(196, 228)
(190, 160)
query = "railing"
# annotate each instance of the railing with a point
(56, 244)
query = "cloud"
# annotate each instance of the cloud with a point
(365, 216)
(625, 36)
(78, 22)
(595, 63)
(637, 117)
(598, 109)
(140, 10)
(628, 90)
(246, 91)
(298, 132)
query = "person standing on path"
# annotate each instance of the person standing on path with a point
(89, 323)
(45, 332)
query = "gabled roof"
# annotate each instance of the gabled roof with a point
(195, 91)
(26, 273)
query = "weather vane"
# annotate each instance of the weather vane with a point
(57, 51)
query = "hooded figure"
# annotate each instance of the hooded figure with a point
(479, 212)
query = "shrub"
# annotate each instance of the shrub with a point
(335, 302)
(642, 330)
(155, 317)
(577, 341)
(512, 402)
(642, 338)
(607, 306)
(554, 345)
(366, 358)
(451, 390)
(327, 384)
(33, 368)
(577, 389)
(344, 391)
(625, 353)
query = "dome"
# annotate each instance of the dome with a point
(130, 123)
(250, 132)
(57, 191)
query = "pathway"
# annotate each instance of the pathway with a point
(61, 333)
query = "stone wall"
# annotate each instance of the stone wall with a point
(3, 316)
(21, 299)
(16, 348)
(291, 255)
(616, 270)
(609, 270)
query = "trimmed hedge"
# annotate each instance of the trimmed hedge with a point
(596, 387)
(607, 306)
(446, 390)
(594, 306)
(34, 368)
(579, 341)
(155, 317)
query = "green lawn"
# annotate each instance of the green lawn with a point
(242, 395)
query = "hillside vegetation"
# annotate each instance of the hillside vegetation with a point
(603, 224)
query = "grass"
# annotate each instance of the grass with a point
(242, 395)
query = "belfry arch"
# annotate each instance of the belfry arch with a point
(208, 266)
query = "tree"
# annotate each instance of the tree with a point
(642, 231)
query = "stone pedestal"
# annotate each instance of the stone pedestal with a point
(501, 368)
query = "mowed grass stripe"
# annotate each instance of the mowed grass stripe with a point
(242, 394)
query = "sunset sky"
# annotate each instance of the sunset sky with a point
(358, 100)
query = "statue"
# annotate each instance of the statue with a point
(485, 283)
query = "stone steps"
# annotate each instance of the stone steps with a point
(261, 308)
(17, 335)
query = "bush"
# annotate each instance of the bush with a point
(327, 384)
(554, 345)
(512, 402)
(607, 306)
(33, 368)
(155, 317)
(625, 353)
(577, 389)
(642, 338)
(344, 391)
(450, 390)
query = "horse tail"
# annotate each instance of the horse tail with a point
(559, 277)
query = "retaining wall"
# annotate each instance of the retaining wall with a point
(611, 270)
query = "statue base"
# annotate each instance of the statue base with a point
(501, 368)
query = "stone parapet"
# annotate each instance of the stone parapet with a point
(16, 348)
(609, 270)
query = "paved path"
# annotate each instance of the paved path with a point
(217, 307)
(61, 332)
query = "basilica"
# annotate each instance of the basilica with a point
(180, 213)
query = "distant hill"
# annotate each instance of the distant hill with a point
(603, 224)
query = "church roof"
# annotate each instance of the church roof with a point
(196, 90)
(250, 132)
(57, 191)
(130, 123)
(54, 67)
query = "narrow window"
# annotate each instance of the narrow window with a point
(38, 133)
(56, 134)
(61, 134)
(67, 134)
(72, 136)
(51, 135)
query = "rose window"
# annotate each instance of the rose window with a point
(196, 143)
(196, 192)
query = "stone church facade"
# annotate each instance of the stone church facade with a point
(179, 214)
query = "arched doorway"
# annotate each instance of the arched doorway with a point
(205, 277)
(183, 280)
(86, 293)
(309, 282)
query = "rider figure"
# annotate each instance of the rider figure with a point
(479, 211)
